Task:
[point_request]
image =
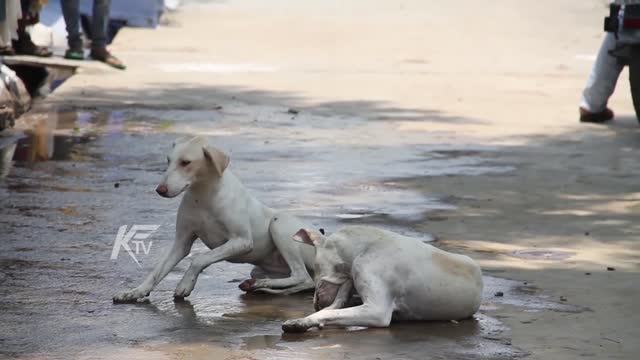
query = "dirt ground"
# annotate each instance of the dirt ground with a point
(456, 119)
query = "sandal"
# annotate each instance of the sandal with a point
(597, 118)
(105, 56)
(7, 51)
(74, 54)
(27, 47)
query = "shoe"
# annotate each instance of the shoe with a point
(24, 46)
(597, 118)
(74, 54)
(102, 54)
(7, 51)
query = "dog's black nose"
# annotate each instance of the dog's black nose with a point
(162, 190)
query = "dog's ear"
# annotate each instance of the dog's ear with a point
(219, 159)
(308, 237)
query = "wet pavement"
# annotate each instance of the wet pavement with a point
(80, 175)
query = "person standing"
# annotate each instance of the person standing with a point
(99, 23)
(16, 16)
(10, 14)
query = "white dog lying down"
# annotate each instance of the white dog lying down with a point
(236, 227)
(397, 277)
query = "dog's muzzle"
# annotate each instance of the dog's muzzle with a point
(162, 190)
(325, 294)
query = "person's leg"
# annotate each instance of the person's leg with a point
(602, 79)
(24, 45)
(99, 23)
(11, 13)
(71, 14)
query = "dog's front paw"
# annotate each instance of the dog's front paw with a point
(129, 296)
(296, 326)
(247, 285)
(183, 289)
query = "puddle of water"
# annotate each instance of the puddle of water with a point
(259, 342)
(542, 254)
(332, 177)
(329, 184)
(479, 336)
(516, 293)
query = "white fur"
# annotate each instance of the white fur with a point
(218, 210)
(396, 276)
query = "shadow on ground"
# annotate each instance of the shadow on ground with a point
(173, 96)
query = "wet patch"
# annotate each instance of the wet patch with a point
(478, 337)
(499, 292)
(328, 186)
(542, 254)
(260, 342)
(72, 183)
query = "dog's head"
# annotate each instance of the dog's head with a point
(192, 161)
(330, 268)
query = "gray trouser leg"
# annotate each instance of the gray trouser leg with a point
(99, 22)
(71, 13)
(602, 80)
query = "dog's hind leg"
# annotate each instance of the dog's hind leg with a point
(282, 229)
(261, 273)
(233, 247)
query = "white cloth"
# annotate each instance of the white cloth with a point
(603, 77)
(9, 27)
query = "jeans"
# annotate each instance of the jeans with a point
(602, 80)
(99, 22)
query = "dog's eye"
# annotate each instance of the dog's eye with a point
(185, 162)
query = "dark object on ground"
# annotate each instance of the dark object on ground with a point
(116, 185)
(587, 233)
(562, 298)
(499, 294)
(587, 273)
(293, 111)
(611, 268)
(596, 118)
(321, 231)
